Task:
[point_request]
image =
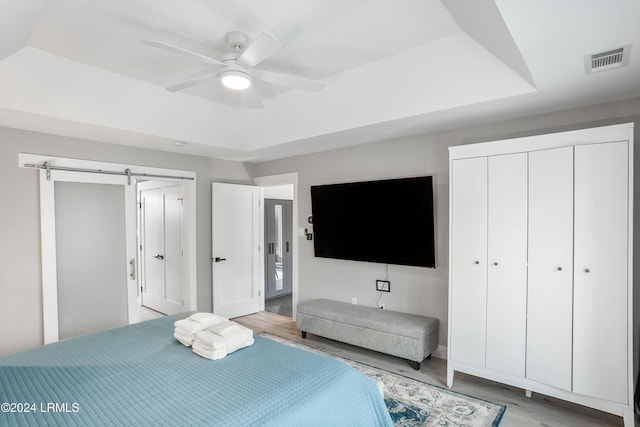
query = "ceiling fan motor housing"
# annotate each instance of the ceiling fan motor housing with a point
(236, 77)
(237, 40)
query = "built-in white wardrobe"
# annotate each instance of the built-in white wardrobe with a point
(540, 280)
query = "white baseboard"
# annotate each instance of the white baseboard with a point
(440, 352)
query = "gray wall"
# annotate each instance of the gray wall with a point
(415, 290)
(20, 283)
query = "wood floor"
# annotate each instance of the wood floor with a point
(145, 313)
(537, 411)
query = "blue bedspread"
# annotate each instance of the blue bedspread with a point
(140, 375)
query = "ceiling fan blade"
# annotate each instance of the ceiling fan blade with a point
(177, 49)
(287, 80)
(261, 48)
(192, 82)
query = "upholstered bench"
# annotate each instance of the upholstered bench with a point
(409, 336)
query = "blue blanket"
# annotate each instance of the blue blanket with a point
(140, 375)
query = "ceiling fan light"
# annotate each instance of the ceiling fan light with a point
(236, 80)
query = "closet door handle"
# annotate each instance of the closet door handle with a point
(159, 256)
(559, 268)
(476, 262)
(132, 274)
(287, 246)
(495, 263)
(586, 270)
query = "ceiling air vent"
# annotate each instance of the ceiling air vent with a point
(608, 60)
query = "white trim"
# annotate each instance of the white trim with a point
(273, 180)
(440, 352)
(536, 387)
(542, 142)
(189, 302)
(49, 262)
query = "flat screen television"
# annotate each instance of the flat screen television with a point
(387, 221)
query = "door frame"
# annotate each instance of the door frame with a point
(287, 221)
(156, 184)
(47, 226)
(271, 181)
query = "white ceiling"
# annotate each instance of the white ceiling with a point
(390, 68)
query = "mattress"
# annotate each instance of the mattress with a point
(140, 375)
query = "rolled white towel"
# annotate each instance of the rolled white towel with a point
(208, 319)
(185, 339)
(199, 322)
(236, 336)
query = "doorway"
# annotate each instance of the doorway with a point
(278, 236)
(279, 260)
(161, 246)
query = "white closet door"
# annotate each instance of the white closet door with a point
(162, 249)
(550, 284)
(507, 258)
(469, 260)
(173, 250)
(153, 244)
(600, 288)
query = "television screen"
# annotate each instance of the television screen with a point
(388, 221)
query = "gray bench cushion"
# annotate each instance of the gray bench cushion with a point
(404, 335)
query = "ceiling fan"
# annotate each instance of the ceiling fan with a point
(236, 69)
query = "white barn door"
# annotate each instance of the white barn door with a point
(235, 249)
(88, 253)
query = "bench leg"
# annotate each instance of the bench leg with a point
(414, 365)
(304, 334)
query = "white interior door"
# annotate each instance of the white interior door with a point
(235, 249)
(507, 269)
(88, 253)
(152, 270)
(550, 275)
(173, 250)
(469, 257)
(600, 271)
(162, 249)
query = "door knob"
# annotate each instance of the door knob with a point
(495, 263)
(159, 256)
(559, 268)
(477, 262)
(586, 270)
(218, 259)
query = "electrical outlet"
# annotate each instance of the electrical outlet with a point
(354, 301)
(383, 285)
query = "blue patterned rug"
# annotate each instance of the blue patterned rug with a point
(414, 403)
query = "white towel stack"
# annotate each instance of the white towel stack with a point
(210, 345)
(222, 339)
(187, 329)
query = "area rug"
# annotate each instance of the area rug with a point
(415, 403)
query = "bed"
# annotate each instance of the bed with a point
(140, 375)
